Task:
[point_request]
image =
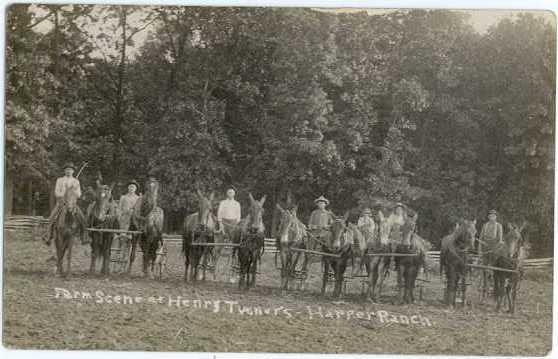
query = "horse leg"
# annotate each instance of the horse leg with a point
(94, 241)
(463, 288)
(69, 257)
(325, 269)
(59, 253)
(284, 268)
(132, 252)
(400, 279)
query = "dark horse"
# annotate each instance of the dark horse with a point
(454, 257)
(509, 255)
(291, 234)
(101, 214)
(339, 244)
(198, 228)
(377, 266)
(148, 218)
(250, 238)
(408, 266)
(67, 227)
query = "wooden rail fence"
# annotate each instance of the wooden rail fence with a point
(35, 224)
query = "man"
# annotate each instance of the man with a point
(228, 214)
(396, 220)
(366, 222)
(320, 218)
(491, 235)
(62, 185)
(126, 205)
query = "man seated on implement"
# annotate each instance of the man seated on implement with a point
(228, 214)
(320, 220)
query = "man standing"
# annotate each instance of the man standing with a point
(126, 205)
(62, 185)
(366, 223)
(491, 235)
(320, 218)
(228, 214)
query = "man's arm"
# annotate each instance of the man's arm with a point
(59, 188)
(499, 233)
(78, 188)
(311, 220)
(238, 214)
(220, 211)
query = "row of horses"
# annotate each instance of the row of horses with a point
(339, 245)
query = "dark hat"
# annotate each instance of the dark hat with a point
(69, 165)
(322, 199)
(134, 182)
(492, 211)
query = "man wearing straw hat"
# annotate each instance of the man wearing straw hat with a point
(126, 205)
(491, 235)
(62, 185)
(320, 218)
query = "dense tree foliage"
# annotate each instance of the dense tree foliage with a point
(411, 106)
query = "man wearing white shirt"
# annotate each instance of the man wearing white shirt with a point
(228, 214)
(62, 185)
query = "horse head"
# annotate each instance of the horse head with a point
(383, 229)
(70, 199)
(465, 233)
(289, 226)
(255, 214)
(514, 241)
(103, 198)
(338, 232)
(205, 218)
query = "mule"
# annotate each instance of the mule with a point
(514, 253)
(338, 243)
(377, 267)
(291, 233)
(408, 267)
(148, 218)
(454, 257)
(101, 214)
(199, 227)
(250, 238)
(68, 225)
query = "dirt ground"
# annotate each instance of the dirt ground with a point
(122, 312)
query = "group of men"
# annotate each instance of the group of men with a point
(229, 211)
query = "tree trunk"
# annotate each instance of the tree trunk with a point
(8, 194)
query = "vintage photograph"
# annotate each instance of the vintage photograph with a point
(279, 180)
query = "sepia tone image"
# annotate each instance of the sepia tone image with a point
(284, 180)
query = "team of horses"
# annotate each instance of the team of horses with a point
(342, 243)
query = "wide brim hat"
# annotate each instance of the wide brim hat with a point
(321, 199)
(134, 182)
(399, 205)
(69, 165)
(492, 211)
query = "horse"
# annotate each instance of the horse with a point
(454, 258)
(514, 252)
(377, 267)
(250, 238)
(408, 266)
(291, 233)
(68, 225)
(339, 244)
(199, 227)
(148, 218)
(101, 214)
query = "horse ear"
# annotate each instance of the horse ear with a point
(211, 196)
(280, 208)
(262, 200)
(346, 216)
(381, 216)
(199, 193)
(475, 222)
(295, 208)
(511, 226)
(523, 225)
(251, 197)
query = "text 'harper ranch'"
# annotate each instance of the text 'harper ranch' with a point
(234, 307)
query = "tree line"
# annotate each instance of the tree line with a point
(412, 106)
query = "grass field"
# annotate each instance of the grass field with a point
(132, 313)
